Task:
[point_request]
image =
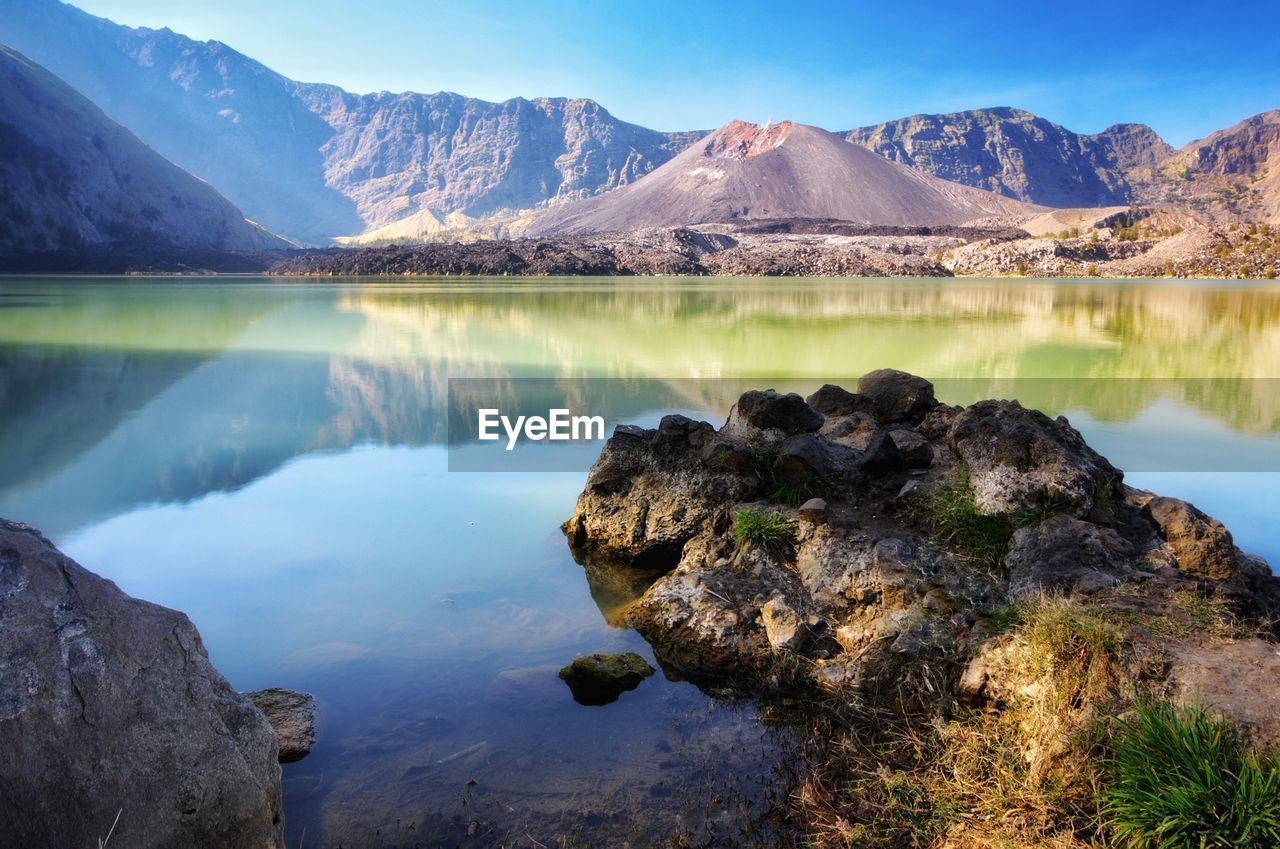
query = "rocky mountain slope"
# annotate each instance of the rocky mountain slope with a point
(73, 179)
(784, 170)
(1019, 154)
(1231, 174)
(312, 161)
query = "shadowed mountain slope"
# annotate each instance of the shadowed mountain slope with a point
(71, 179)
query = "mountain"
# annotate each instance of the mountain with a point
(1228, 175)
(71, 178)
(1017, 154)
(783, 170)
(313, 161)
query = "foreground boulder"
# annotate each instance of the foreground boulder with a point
(111, 714)
(883, 535)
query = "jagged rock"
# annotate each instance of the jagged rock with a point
(832, 400)
(109, 705)
(881, 456)
(1018, 459)
(897, 397)
(1065, 555)
(854, 430)
(808, 458)
(599, 678)
(765, 410)
(915, 449)
(814, 510)
(292, 715)
(650, 492)
(1201, 545)
(697, 629)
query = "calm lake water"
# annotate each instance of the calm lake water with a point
(270, 457)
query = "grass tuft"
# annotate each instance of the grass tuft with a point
(954, 520)
(765, 530)
(1181, 779)
(761, 455)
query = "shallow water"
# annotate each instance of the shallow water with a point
(270, 458)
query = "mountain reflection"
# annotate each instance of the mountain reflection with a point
(115, 395)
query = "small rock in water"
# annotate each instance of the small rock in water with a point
(599, 679)
(292, 715)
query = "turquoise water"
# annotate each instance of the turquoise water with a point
(270, 458)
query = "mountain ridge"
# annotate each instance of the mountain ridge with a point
(315, 162)
(279, 148)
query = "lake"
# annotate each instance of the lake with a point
(271, 458)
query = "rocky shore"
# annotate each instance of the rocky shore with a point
(961, 590)
(1137, 243)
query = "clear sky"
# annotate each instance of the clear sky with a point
(1185, 68)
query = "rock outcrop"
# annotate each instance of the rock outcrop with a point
(885, 560)
(114, 721)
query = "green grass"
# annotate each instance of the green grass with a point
(1181, 779)
(954, 520)
(761, 455)
(768, 531)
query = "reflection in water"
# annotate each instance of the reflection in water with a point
(270, 458)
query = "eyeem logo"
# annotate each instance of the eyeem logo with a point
(560, 425)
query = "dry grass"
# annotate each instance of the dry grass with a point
(920, 771)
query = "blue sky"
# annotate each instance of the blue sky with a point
(1185, 68)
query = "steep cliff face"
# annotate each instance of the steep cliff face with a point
(71, 178)
(312, 161)
(399, 154)
(1009, 151)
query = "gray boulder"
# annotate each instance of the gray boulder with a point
(808, 459)
(109, 707)
(1019, 458)
(651, 491)
(1066, 555)
(832, 400)
(766, 409)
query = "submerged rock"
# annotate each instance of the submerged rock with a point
(111, 713)
(292, 715)
(599, 679)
